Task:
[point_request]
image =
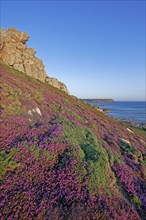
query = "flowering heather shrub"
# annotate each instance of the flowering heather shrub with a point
(12, 129)
(68, 162)
(126, 177)
(133, 186)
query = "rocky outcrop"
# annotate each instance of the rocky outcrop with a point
(14, 52)
(54, 82)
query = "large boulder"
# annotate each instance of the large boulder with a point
(14, 52)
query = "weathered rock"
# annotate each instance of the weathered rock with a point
(19, 67)
(29, 51)
(30, 61)
(20, 46)
(14, 52)
(54, 82)
(8, 59)
(27, 68)
(9, 47)
(18, 58)
(35, 110)
(129, 130)
(13, 35)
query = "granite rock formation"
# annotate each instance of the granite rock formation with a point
(15, 53)
(54, 82)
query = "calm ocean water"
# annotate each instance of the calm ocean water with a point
(135, 111)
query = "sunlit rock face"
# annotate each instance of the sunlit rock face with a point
(15, 53)
(54, 82)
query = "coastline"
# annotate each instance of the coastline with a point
(128, 122)
(128, 114)
(99, 100)
(132, 123)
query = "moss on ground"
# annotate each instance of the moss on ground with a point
(89, 150)
(7, 162)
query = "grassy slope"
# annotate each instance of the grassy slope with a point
(71, 162)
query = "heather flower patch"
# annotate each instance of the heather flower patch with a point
(134, 187)
(66, 160)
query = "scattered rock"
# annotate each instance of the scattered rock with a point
(106, 110)
(35, 110)
(142, 141)
(30, 113)
(125, 141)
(130, 122)
(98, 108)
(129, 130)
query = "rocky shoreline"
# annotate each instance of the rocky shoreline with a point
(128, 122)
(99, 100)
(132, 123)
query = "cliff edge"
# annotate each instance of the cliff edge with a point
(15, 53)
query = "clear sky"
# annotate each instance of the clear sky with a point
(97, 48)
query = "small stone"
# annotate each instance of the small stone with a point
(129, 130)
(126, 141)
(38, 111)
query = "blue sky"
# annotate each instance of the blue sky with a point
(97, 48)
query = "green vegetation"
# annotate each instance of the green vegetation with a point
(136, 201)
(127, 148)
(17, 73)
(141, 131)
(114, 157)
(91, 151)
(13, 104)
(7, 163)
(36, 151)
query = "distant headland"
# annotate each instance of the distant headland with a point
(99, 100)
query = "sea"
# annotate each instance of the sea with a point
(125, 110)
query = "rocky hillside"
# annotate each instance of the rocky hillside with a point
(63, 159)
(14, 52)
